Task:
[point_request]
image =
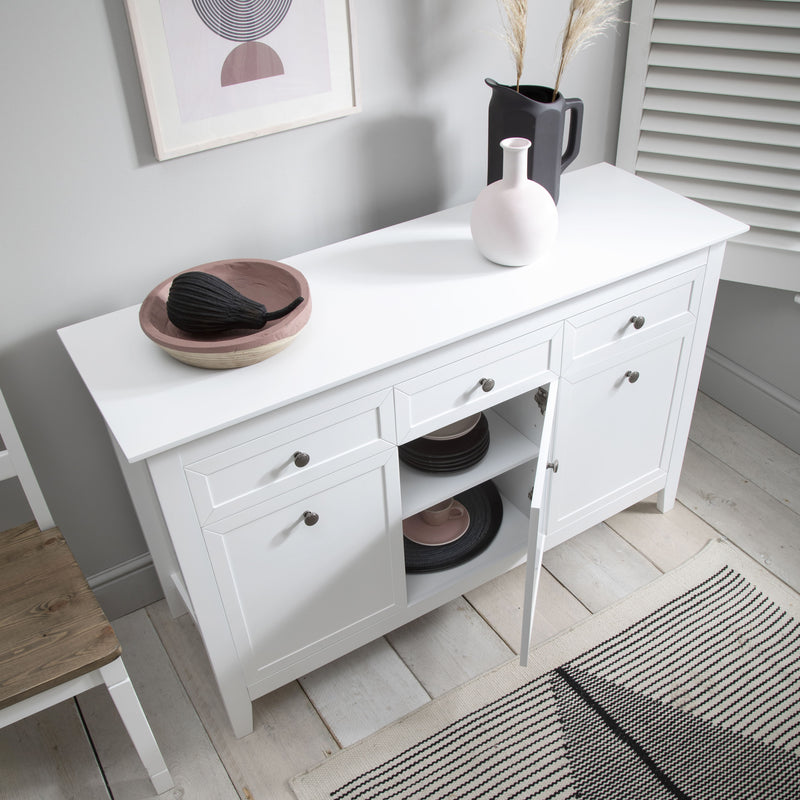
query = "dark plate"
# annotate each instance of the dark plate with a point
(436, 448)
(485, 507)
(448, 455)
(443, 458)
(445, 465)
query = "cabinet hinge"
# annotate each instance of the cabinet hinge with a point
(541, 398)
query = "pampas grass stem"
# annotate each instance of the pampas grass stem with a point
(515, 21)
(587, 20)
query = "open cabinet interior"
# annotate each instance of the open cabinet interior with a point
(515, 428)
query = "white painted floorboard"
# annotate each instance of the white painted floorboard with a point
(752, 518)
(448, 646)
(737, 483)
(363, 691)
(288, 734)
(190, 756)
(499, 602)
(599, 567)
(666, 540)
(752, 453)
(49, 757)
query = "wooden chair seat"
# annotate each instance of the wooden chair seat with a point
(55, 640)
(52, 628)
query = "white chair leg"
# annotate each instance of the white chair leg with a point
(130, 710)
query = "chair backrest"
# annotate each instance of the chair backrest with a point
(14, 463)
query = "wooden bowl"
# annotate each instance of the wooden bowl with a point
(268, 282)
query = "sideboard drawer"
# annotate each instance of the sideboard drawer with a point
(240, 476)
(593, 336)
(471, 384)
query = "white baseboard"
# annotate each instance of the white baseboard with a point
(768, 408)
(126, 587)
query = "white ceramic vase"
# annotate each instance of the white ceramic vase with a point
(514, 220)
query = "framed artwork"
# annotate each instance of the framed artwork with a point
(215, 72)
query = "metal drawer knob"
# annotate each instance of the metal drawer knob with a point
(553, 465)
(632, 375)
(301, 459)
(487, 384)
(637, 322)
(310, 518)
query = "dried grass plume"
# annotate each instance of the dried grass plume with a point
(587, 19)
(515, 23)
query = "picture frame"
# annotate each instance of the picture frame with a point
(212, 78)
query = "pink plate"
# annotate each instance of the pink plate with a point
(455, 429)
(417, 530)
(269, 282)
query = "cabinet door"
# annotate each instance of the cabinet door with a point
(538, 516)
(613, 435)
(311, 567)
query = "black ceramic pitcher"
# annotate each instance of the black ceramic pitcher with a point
(532, 114)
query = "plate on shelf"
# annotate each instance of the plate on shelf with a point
(448, 455)
(438, 448)
(420, 532)
(485, 508)
(446, 464)
(455, 429)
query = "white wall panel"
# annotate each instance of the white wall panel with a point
(711, 109)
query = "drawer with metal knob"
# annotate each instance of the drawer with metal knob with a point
(239, 476)
(601, 333)
(456, 389)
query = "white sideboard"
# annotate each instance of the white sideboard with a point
(272, 496)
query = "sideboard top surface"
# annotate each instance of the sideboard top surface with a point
(384, 297)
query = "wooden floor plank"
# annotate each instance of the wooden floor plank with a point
(288, 736)
(668, 540)
(599, 567)
(363, 691)
(762, 526)
(49, 757)
(190, 756)
(499, 602)
(449, 646)
(744, 448)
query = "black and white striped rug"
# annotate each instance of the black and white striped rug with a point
(690, 688)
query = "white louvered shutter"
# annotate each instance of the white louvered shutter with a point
(711, 109)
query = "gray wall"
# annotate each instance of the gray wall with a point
(752, 362)
(91, 221)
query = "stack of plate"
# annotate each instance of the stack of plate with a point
(458, 446)
(429, 553)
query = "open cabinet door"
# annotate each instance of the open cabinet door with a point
(538, 520)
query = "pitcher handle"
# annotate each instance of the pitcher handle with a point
(575, 127)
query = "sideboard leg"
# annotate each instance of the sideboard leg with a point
(240, 710)
(665, 500)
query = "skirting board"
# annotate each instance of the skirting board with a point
(126, 587)
(751, 397)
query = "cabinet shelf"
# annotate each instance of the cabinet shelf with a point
(508, 448)
(506, 551)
